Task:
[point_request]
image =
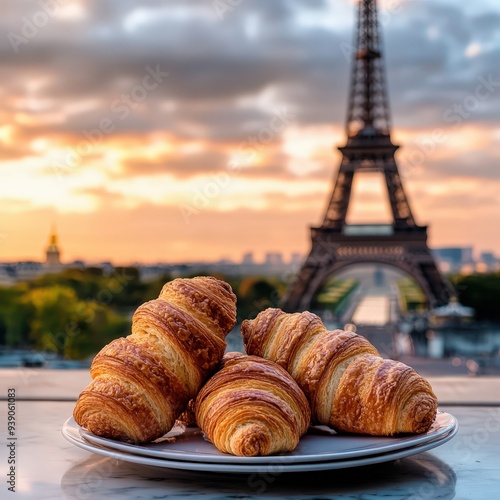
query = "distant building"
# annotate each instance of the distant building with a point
(274, 259)
(27, 270)
(488, 261)
(248, 259)
(452, 259)
(13, 272)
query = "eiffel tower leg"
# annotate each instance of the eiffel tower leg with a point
(314, 270)
(424, 269)
(399, 203)
(294, 299)
(337, 208)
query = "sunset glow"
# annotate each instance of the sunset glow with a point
(235, 149)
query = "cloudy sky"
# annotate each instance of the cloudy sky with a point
(173, 130)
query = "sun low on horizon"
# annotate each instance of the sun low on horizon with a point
(166, 132)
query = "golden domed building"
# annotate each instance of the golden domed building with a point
(52, 253)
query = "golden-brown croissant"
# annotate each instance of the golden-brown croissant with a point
(251, 407)
(348, 385)
(143, 382)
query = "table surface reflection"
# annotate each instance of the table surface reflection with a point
(49, 467)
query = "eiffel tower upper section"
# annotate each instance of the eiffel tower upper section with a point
(368, 128)
(368, 113)
(336, 244)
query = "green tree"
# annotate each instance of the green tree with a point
(66, 326)
(481, 292)
(15, 317)
(103, 326)
(56, 312)
(254, 295)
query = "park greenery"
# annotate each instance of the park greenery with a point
(335, 294)
(72, 314)
(411, 297)
(481, 292)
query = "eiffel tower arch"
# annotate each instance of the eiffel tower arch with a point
(336, 244)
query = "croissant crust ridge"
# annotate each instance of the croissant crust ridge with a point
(143, 382)
(349, 386)
(252, 406)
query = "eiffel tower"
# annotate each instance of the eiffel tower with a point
(336, 244)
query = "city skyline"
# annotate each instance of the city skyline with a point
(449, 258)
(146, 137)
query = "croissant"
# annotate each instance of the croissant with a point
(251, 407)
(187, 418)
(143, 382)
(348, 385)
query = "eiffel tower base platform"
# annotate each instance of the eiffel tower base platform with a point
(333, 250)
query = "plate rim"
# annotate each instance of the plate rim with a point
(282, 467)
(219, 458)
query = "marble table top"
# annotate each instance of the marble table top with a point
(49, 467)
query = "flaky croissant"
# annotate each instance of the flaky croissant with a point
(143, 382)
(348, 385)
(251, 407)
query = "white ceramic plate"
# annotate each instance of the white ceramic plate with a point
(315, 446)
(286, 463)
(318, 445)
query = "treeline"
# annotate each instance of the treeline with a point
(481, 292)
(74, 313)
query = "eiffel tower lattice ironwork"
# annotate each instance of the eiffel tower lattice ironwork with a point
(336, 244)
